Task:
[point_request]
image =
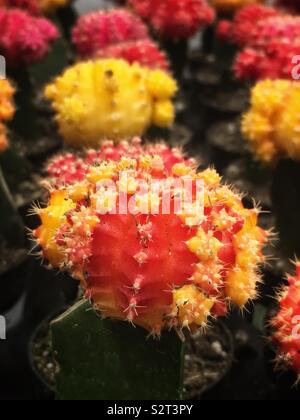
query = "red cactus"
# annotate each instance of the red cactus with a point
(270, 38)
(175, 19)
(243, 31)
(273, 62)
(99, 30)
(157, 269)
(24, 39)
(224, 31)
(69, 168)
(144, 52)
(29, 5)
(287, 324)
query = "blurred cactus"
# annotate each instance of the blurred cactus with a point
(272, 124)
(100, 30)
(175, 19)
(286, 324)
(103, 99)
(7, 110)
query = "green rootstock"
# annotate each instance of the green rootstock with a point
(111, 360)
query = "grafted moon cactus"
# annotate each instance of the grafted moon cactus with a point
(24, 39)
(272, 124)
(100, 30)
(175, 19)
(270, 41)
(275, 61)
(141, 258)
(287, 324)
(7, 110)
(102, 99)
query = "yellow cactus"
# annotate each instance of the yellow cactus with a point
(272, 125)
(110, 98)
(49, 6)
(7, 110)
(230, 6)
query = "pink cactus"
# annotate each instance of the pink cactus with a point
(24, 39)
(99, 30)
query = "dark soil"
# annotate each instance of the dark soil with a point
(43, 359)
(208, 359)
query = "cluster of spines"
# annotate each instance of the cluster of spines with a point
(286, 325)
(24, 39)
(175, 19)
(162, 270)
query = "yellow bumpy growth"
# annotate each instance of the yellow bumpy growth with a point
(272, 125)
(110, 98)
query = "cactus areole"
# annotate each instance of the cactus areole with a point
(140, 256)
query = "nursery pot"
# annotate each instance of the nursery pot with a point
(102, 375)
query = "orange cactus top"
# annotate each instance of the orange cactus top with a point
(7, 110)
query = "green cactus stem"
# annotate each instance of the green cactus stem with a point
(102, 359)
